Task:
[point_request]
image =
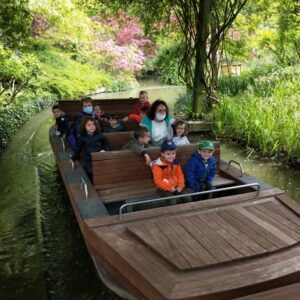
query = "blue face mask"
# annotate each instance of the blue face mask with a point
(88, 109)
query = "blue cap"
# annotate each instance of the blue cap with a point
(167, 145)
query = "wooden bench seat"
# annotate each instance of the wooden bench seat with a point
(122, 175)
(122, 107)
(117, 140)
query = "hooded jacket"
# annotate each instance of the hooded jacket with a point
(196, 171)
(87, 144)
(167, 175)
(135, 146)
(62, 123)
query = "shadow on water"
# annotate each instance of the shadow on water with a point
(42, 253)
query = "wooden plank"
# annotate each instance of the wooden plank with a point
(152, 236)
(235, 221)
(240, 248)
(186, 208)
(290, 203)
(184, 250)
(273, 234)
(218, 241)
(238, 234)
(196, 232)
(191, 242)
(201, 287)
(284, 211)
(288, 292)
(263, 214)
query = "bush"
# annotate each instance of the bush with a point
(12, 117)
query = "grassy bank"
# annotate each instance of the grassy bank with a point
(262, 108)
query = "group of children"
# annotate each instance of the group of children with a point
(85, 137)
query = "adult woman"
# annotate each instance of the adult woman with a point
(159, 123)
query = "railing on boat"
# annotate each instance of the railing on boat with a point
(188, 195)
(239, 164)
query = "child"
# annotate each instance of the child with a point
(139, 142)
(180, 138)
(113, 124)
(138, 118)
(87, 111)
(143, 102)
(200, 169)
(167, 173)
(62, 121)
(90, 140)
(98, 114)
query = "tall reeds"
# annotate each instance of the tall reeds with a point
(266, 115)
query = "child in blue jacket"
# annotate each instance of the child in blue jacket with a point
(90, 140)
(200, 169)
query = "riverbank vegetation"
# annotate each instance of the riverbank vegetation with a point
(63, 49)
(258, 86)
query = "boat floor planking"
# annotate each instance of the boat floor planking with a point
(222, 248)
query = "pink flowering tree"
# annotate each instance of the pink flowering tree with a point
(127, 47)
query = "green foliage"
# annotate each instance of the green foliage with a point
(15, 22)
(17, 71)
(184, 103)
(12, 117)
(68, 78)
(167, 62)
(267, 115)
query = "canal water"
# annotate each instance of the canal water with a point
(42, 253)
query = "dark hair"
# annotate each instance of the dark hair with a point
(56, 107)
(145, 109)
(143, 92)
(180, 122)
(113, 117)
(85, 120)
(86, 99)
(140, 132)
(153, 107)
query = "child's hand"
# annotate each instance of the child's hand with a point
(179, 189)
(173, 189)
(125, 119)
(148, 159)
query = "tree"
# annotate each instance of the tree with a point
(15, 22)
(203, 24)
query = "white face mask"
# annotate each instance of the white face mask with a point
(160, 117)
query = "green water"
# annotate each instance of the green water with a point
(42, 253)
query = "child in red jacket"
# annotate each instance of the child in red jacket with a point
(167, 173)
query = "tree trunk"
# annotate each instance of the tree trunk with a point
(201, 57)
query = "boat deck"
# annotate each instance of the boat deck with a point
(217, 249)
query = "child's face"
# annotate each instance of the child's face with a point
(56, 112)
(97, 110)
(145, 139)
(180, 129)
(143, 98)
(206, 154)
(113, 122)
(90, 127)
(169, 155)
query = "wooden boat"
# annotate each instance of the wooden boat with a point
(243, 242)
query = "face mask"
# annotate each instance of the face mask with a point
(88, 109)
(160, 117)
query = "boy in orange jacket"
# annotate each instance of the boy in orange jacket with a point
(167, 173)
